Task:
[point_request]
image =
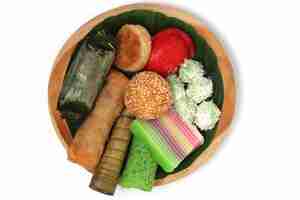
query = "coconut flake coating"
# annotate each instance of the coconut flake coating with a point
(177, 87)
(181, 102)
(148, 95)
(207, 115)
(190, 70)
(182, 108)
(199, 89)
(192, 107)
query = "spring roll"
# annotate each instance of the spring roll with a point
(107, 173)
(89, 142)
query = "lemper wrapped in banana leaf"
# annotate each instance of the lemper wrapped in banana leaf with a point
(86, 75)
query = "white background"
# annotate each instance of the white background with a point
(260, 159)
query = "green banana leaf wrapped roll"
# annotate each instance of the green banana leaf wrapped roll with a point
(105, 178)
(86, 75)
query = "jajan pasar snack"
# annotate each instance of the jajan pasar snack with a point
(89, 142)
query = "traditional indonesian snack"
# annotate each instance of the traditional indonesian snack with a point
(89, 142)
(86, 75)
(183, 108)
(177, 87)
(183, 105)
(169, 49)
(186, 108)
(190, 70)
(169, 138)
(140, 168)
(107, 173)
(148, 95)
(199, 89)
(186, 38)
(134, 48)
(207, 115)
(131, 132)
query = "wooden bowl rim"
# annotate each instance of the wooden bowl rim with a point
(62, 59)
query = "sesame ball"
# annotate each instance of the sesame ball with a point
(148, 95)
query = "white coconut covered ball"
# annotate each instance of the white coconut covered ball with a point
(200, 89)
(190, 70)
(207, 115)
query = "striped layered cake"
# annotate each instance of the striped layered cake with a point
(169, 138)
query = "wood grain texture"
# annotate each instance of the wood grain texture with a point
(61, 64)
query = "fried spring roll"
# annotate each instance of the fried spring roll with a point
(107, 173)
(89, 142)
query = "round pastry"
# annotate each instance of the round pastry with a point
(134, 48)
(169, 49)
(148, 95)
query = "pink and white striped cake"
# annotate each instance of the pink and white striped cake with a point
(169, 138)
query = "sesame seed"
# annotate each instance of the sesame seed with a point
(148, 95)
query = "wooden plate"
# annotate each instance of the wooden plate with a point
(62, 60)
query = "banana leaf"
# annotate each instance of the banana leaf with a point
(85, 76)
(154, 22)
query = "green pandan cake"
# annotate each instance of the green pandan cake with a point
(140, 168)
